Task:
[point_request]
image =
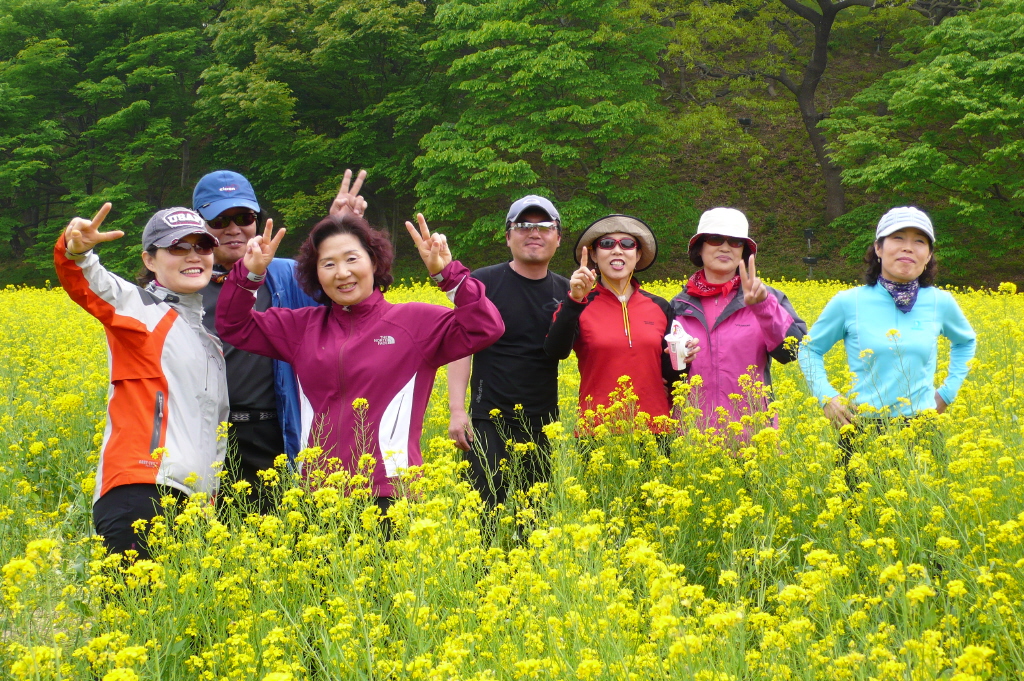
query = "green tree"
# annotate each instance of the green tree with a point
(302, 90)
(947, 131)
(104, 91)
(556, 98)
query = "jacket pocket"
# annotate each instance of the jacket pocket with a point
(158, 421)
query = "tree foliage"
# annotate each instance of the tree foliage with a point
(947, 131)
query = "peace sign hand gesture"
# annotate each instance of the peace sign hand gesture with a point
(582, 280)
(433, 248)
(754, 290)
(348, 200)
(261, 249)
(81, 235)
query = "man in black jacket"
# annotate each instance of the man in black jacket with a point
(514, 383)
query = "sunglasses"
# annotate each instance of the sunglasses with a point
(718, 240)
(185, 247)
(542, 227)
(242, 219)
(608, 243)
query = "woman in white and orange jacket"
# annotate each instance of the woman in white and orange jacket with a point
(168, 391)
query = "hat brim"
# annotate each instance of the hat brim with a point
(625, 224)
(904, 225)
(695, 237)
(175, 237)
(217, 207)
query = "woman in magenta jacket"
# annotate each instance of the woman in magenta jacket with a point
(737, 319)
(366, 365)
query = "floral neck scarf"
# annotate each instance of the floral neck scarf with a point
(904, 295)
(699, 286)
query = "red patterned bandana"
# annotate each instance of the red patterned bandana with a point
(699, 286)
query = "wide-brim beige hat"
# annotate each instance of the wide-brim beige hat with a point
(626, 224)
(727, 222)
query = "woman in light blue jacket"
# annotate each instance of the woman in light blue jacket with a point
(891, 327)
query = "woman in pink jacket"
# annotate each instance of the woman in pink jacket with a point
(737, 319)
(366, 365)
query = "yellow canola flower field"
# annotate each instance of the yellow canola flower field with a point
(688, 559)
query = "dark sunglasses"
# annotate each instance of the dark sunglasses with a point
(185, 247)
(242, 219)
(608, 243)
(718, 240)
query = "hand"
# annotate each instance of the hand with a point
(838, 413)
(261, 249)
(461, 430)
(940, 404)
(754, 291)
(433, 248)
(582, 280)
(692, 348)
(82, 235)
(348, 200)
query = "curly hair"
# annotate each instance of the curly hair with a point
(698, 261)
(375, 242)
(874, 266)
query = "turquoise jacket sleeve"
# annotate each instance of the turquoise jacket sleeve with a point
(829, 329)
(963, 341)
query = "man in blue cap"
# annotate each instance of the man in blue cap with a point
(515, 384)
(266, 401)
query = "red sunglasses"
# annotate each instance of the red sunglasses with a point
(607, 243)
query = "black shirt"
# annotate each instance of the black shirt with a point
(250, 377)
(516, 370)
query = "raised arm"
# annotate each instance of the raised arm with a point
(565, 323)
(267, 333)
(774, 314)
(102, 294)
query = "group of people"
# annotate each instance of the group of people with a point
(308, 352)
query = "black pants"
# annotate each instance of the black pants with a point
(252, 447)
(114, 513)
(494, 480)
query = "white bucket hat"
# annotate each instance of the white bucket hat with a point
(727, 222)
(903, 217)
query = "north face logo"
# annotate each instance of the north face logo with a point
(384, 340)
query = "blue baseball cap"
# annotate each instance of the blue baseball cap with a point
(220, 190)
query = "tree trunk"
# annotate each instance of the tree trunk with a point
(835, 196)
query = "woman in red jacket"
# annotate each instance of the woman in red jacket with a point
(616, 328)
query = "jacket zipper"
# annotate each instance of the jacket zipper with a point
(158, 420)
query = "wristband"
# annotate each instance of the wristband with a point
(70, 255)
(438, 278)
(256, 278)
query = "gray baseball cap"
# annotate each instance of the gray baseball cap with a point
(531, 201)
(171, 225)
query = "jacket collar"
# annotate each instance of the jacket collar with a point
(359, 310)
(697, 303)
(605, 291)
(188, 305)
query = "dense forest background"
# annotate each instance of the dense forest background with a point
(807, 115)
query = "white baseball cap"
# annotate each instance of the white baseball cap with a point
(727, 222)
(903, 217)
